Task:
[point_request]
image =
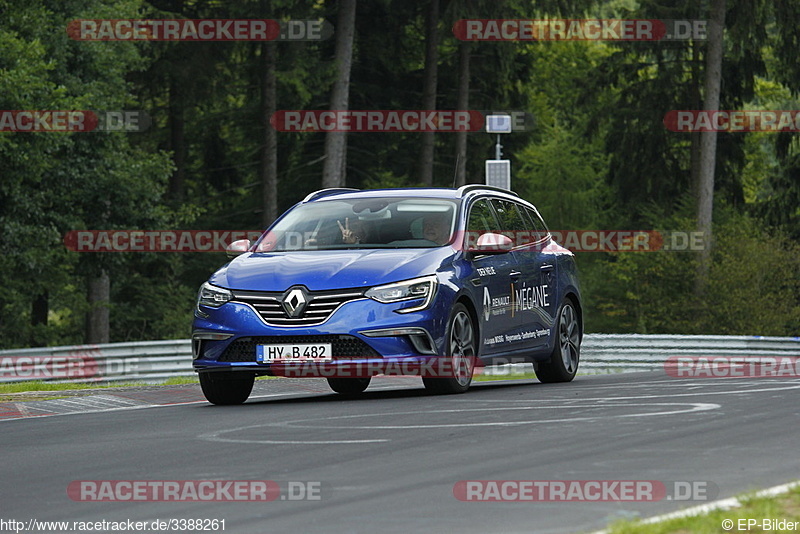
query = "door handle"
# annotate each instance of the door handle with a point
(546, 267)
(515, 275)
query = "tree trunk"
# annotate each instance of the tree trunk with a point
(269, 156)
(177, 128)
(694, 150)
(425, 163)
(333, 172)
(40, 309)
(98, 296)
(462, 105)
(708, 141)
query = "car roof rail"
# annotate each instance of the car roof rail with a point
(329, 191)
(464, 189)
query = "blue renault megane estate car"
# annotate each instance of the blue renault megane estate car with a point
(349, 284)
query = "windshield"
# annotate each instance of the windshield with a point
(363, 223)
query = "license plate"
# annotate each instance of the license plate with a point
(295, 352)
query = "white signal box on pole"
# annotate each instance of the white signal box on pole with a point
(498, 171)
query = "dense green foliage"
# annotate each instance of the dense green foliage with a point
(598, 158)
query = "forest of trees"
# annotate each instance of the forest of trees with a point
(599, 156)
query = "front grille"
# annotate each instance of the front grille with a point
(344, 347)
(320, 306)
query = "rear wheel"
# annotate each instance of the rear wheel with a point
(563, 364)
(226, 387)
(349, 386)
(460, 357)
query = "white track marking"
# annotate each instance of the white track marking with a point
(216, 436)
(298, 423)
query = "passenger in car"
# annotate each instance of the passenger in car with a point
(434, 228)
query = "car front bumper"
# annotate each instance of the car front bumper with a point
(368, 338)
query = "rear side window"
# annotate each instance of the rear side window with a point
(538, 227)
(510, 216)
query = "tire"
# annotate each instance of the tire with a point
(563, 363)
(349, 386)
(462, 352)
(226, 387)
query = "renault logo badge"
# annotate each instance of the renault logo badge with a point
(294, 301)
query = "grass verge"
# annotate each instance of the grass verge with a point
(22, 387)
(784, 507)
(37, 385)
(509, 376)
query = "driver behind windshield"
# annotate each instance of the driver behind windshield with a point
(349, 231)
(353, 232)
(435, 228)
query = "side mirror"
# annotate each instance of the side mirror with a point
(237, 248)
(491, 243)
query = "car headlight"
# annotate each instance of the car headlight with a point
(212, 296)
(418, 288)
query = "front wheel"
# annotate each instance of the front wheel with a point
(563, 363)
(226, 387)
(459, 362)
(349, 386)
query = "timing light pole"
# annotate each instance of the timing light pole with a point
(498, 170)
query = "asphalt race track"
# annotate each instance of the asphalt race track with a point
(389, 461)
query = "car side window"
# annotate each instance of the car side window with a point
(512, 221)
(481, 218)
(538, 227)
(481, 221)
